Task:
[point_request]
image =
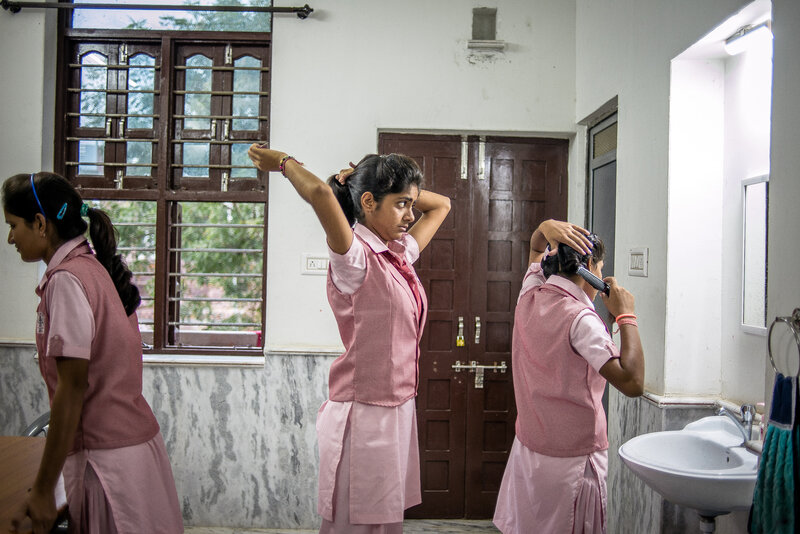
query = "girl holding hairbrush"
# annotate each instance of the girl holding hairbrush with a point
(562, 357)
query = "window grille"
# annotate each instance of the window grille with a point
(156, 129)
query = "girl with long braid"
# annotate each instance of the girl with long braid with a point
(103, 435)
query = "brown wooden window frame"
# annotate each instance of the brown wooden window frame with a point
(167, 186)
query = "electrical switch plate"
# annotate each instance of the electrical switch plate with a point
(637, 261)
(314, 264)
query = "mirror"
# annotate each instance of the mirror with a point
(755, 197)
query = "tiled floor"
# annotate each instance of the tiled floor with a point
(441, 526)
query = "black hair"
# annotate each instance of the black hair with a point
(379, 175)
(61, 204)
(567, 260)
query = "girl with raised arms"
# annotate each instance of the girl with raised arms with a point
(367, 430)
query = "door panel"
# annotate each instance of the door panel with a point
(522, 186)
(441, 403)
(473, 270)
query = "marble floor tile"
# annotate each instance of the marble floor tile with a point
(417, 526)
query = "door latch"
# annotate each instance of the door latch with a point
(477, 330)
(479, 370)
(460, 335)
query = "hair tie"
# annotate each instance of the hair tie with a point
(84, 210)
(33, 187)
(62, 211)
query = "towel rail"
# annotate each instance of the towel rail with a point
(793, 322)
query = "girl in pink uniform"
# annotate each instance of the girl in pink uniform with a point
(367, 430)
(102, 434)
(562, 356)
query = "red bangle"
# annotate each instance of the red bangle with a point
(282, 164)
(623, 322)
(623, 315)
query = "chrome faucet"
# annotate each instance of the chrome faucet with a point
(745, 426)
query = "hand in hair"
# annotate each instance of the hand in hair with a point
(344, 173)
(552, 232)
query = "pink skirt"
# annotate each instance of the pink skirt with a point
(129, 490)
(547, 494)
(369, 466)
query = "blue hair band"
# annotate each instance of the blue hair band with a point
(62, 211)
(41, 209)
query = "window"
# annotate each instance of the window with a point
(156, 129)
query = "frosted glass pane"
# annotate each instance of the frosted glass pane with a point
(94, 75)
(246, 81)
(91, 155)
(197, 104)
(141, 79)
(139, 152)
(195, 154)
(239, 157)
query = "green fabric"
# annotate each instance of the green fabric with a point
(774, 500)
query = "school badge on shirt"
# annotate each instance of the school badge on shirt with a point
(39, 323)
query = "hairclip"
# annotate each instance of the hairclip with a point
(84, 210)
(62, 211)
(33, 187)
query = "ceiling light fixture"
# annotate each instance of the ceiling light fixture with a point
(746, 35)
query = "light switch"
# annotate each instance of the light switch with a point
(314, 264)
(637, 261)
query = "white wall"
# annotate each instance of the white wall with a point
(748, 97)
(784, 195)
(625, 49)
(356, 67)
(351, 69)
(719, 136)
(26, 108)
(692, 352)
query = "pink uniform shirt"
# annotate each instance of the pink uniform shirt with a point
(557, 385)
(114, 412)
(380, 326)
(379, 439)
(122, 458)
(558, 492)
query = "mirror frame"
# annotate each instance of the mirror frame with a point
(750, 328)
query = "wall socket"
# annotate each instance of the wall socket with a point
(637, 261)
(314, 264)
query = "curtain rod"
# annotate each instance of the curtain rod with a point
(15, 7)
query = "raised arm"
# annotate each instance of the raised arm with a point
(312, 190)
(434, 208)
(552, 232)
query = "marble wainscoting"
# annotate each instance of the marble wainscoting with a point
(23, 395)
(241, 440)
(633, 508)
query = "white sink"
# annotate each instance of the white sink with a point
(702, 466)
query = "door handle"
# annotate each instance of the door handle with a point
(460, 334)
(477, 330)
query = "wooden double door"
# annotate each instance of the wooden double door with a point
(500, 188)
